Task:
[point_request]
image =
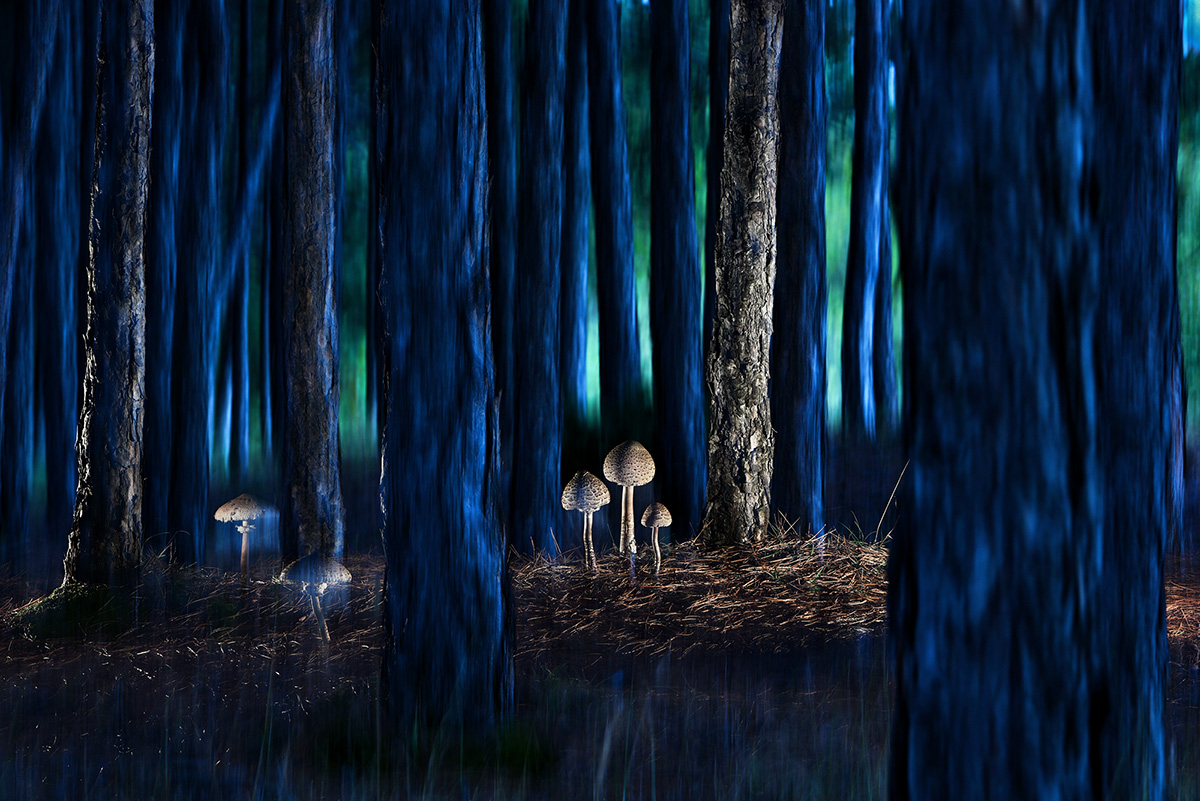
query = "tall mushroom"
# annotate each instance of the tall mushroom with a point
(630, 465)
(655, 517)
(314, 574)
(242, 510)
(585, 493)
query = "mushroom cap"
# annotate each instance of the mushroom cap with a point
(656, 516)
(585, 493)
(243, 507)
(629, 464)
(317, 570)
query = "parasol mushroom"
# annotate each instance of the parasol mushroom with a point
(630, 465)
(242, 510)
(314, 574)
(585, 493)
(655, 517)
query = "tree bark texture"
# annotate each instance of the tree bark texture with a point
(446, 656)
(104, 544)
(537, 480)
(1134, 147)
(1016, 224)
(718, 90)
(868, 205)
(741, 442)
(676, 295)
(798, 342)
(616, 292)
(502, 224)
(313, 503)
(577, 205)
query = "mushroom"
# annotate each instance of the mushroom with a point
(242, 510)
(315, 574)
(585, 493)
(655, 517)
(630, 465)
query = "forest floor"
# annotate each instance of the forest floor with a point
(755, 673)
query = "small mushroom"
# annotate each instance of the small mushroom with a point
(630, 465)
(655, 517)
(585, 493)
(314, 574)
(242, 510)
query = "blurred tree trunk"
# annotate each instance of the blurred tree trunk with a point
(718, 89)
(798, 341)
(741, 441)
(616, 292)
(313, 499)
(104, 544)
(577, 204)
(676, 300)
(1134, 146)
(275, 245)
(868, 215)
(536, 484)
(447, 659)
(1029, 415)
(16, 475)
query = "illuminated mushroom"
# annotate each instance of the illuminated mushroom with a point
(242, 510)
(314, 574)
(630, 465)
(585, 493)
(655, 517)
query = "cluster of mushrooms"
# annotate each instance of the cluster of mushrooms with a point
(628, 465)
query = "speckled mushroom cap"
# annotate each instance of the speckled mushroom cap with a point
(243, 507)
(656, 515)
(316, 569)
(629, 464)
(584, 493)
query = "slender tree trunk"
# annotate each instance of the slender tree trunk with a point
(577, 192)
(17, 442)
(313, 505)
(798, 343)
(718, 90)
(447, 660)
(537, 479)
(741, 442)
(1034, 499)
(104, 544)
(616, 292)
(676, 295)
(868, 204)
(883, 352)
(237, 324)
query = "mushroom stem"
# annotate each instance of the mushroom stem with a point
(657, 553)
(627, 519)
(322, 629)
(245, 529)
(624, 517)
(589, 555)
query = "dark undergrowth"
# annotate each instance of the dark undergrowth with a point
(205, 689)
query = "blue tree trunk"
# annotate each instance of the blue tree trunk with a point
(577, 204)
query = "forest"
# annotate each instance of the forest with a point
(520, 399)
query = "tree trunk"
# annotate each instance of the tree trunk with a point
(1015, 247)
(741, 442)
(446, 656)
(718, 90)
(16, 473)
(577, 198)
(537, 479)
(313, 502)
(868, 204)
(104, 544)
(798, 343)
(1138, 396)
(616, 292)
(676, 300)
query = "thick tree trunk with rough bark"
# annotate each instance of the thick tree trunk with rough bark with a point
(1038, 417)
(537, 480)
(676, 301)
(741, 442)
(446, 658)
(313, 502)
(616, 291)
(868, 212)
(104, 544)
(798, 341)
(718, 89)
